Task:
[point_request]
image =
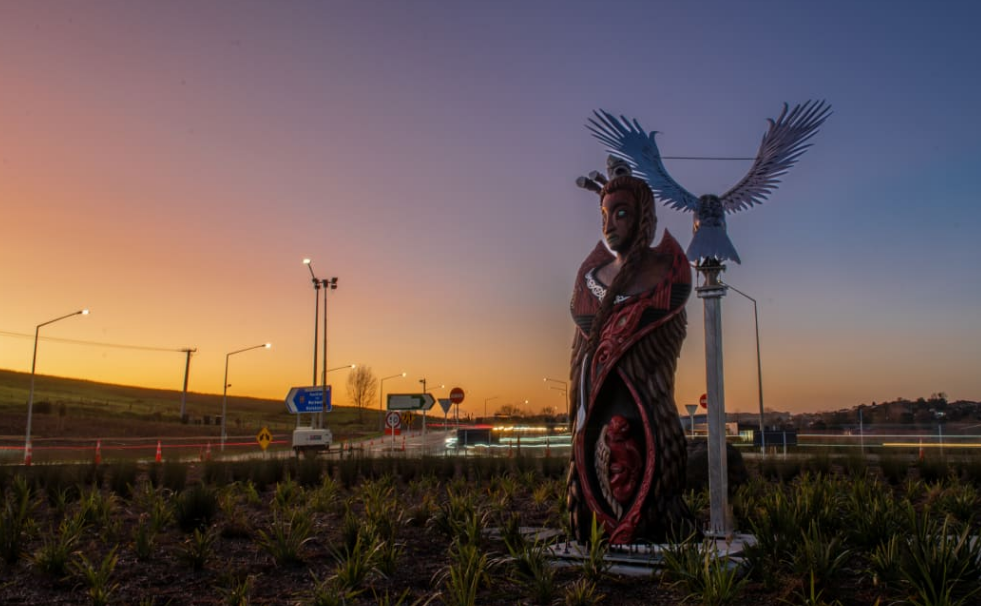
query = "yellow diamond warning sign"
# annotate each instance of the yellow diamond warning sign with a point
(264, 438)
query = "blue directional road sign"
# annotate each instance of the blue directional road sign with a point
(308, 399)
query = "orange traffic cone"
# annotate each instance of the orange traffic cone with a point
(98, 452)
(27, 454)
(159, 456)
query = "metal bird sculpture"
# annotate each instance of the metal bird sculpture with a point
(783, 143)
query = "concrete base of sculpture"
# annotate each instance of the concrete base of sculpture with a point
(645, 560)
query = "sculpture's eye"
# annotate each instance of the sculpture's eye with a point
(621, 213)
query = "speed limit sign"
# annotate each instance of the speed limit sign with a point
(393, 419)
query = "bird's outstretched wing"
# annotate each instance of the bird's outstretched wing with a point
(627, 140)
(783, 143)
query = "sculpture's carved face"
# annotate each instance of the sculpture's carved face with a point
(625, 460)
(619, 211)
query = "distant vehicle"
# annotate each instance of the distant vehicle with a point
(310, 442)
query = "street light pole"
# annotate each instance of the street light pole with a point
(565, 388)
(486, 400)
(759, 364)
(381, 396)
(316, 316)
(224, 395)
(187, 370)
(30, 397)
(328, 285)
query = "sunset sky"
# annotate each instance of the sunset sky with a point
(168, 165)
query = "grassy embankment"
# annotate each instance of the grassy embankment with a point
(71, 410)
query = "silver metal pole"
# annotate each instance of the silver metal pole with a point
(711, 293)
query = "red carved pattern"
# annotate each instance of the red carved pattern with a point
(623, 530)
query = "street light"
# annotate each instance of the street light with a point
(30, 397)
(316, 315)
(224, 395)
(330, 284)
(565, 390)
(381, 396)
(759, 365)
(486, 400)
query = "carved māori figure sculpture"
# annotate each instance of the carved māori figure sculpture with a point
(628, 304)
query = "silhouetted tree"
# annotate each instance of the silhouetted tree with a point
(362, 387)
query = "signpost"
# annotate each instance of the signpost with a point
(410, 401)
(691, 414)
(445, 404)
(456, 397)
(308, 399)
(393, 420)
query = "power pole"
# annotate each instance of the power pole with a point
(187, 371)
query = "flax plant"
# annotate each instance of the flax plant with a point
(581, 592)
(285, 539)
(468, 570)
(354, 565)
(941, 565)
(594, 564)
(235, 522)
(327, 592)
(530, 565)
(237, 591)
(98, 582)
(144, 538)
(872, 515)
(698, 568)
(198, 548)
(819, 556)
(56, 551)
(15, 520)
(288, 494)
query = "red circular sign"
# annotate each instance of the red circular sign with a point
(456, 395)
(704, 401)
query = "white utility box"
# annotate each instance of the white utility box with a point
(308, 440)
